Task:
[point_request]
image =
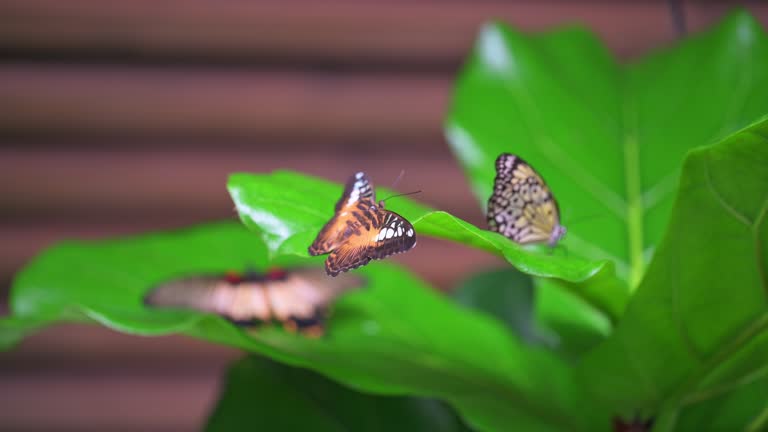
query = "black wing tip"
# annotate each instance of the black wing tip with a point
(149, 299)
(354, 178)
(349, 185)
(153, 298)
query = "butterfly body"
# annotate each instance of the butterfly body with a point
(522, 207)
(361, 230)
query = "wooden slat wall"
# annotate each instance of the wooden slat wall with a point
(120, 117)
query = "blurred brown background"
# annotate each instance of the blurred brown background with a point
(118, 117)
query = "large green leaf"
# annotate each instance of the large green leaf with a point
(264, 395)
(696, 330)
(608, 139)
(288, 210)
(507, 295)
(397, 336)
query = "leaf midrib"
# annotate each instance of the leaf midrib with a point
(634, 191)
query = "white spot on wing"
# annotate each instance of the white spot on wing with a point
(353, 196)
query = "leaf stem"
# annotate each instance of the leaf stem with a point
(634, 201)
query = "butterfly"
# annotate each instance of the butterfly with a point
(298, 299)
(522, 207)
(360, 230)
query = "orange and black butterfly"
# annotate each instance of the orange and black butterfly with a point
(298, 299)
(360, 230)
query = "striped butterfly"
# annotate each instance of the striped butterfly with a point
(522, 207)
(298, 299)
(360, 230)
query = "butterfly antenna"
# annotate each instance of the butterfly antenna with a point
(677, 14)
(402, 194)
(397, 180)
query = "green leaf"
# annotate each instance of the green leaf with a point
(573, 326)
(507, 295)
(544, 314)
(729, 409)
(288, 209)
(697, 327)
(14, 329)
(270, 396)
(608, 139)
(397, 336)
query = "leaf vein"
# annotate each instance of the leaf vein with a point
(727, 206)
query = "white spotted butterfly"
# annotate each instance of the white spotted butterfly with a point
(360, 230)
(522, 207)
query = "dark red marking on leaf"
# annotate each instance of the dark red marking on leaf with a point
(637, 424)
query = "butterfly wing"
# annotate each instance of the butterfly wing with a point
(357, 197)
(301, 300)
(395, 235)
(522, 207)
(389, 234)
(298, 299)
(239, 302)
